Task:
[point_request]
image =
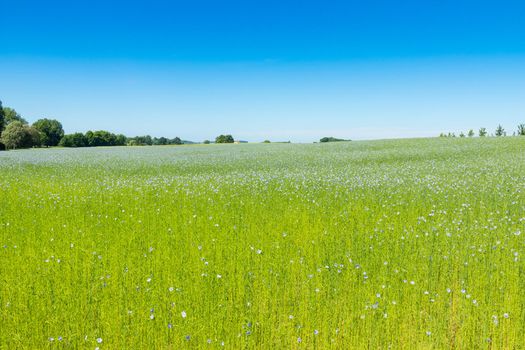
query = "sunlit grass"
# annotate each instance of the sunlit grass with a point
(406, 243)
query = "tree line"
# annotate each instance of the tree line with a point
(482, 132)
(16, 132)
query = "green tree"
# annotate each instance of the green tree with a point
(471, 133)
(331, 139)
(206, 142)
(19, 135)
(224, 139)
(121, 140)
(140, 141)
(2, 118)
(51, 130)
(102, 138)
(2, 124)
(73, 140)
(482, 132)
(499, 131)
(12, 116)
(162, 141)
(521, 130)
(176, 141)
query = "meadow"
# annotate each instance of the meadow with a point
(402, 244)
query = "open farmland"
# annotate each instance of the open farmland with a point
(403, 243)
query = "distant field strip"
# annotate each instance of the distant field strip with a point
(402, 243)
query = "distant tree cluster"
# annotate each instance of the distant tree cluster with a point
(482, 132)
(331, 139)
(149, 141)
(224, 139)
(15, 132)
(93, 139)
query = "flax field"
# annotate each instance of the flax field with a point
(400, 244)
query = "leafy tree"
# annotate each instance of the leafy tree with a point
(12, 116)
(499, 131)
(206, 142)
(2, 118)
(121, 140)
(176, 141)
(331, 139)
(224, 139)
(2, 124)
(160, 141)
(521, 130)
(101, 138)
(77, 139)
(19, 135)
(35, 136)
(461, 134)
(471, 133)
(51, 130)
(266, 141)
(140, 141)
(482, 132)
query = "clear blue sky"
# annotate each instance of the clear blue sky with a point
(282, 70)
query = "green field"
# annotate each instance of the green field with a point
(400, 243)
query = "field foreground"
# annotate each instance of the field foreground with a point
(402, 243)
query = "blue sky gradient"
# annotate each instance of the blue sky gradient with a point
(282, 70)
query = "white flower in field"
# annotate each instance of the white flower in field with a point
(183, 314)
(152, 317)
(429, 333)
(219, 276)
(171, 289)
(148, 280)
(99, 340)
(449, 290)
(259, 251)
(290, 317)
(506, 315)
(517, 233)
(412, 282)
(299, 340)
(51, 339)
(316, 332)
